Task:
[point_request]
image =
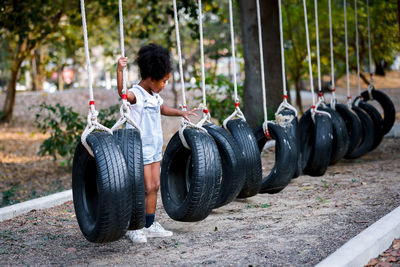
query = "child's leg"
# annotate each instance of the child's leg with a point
(152, 184)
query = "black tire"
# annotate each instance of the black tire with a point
(316, 143)
(285, 157)
(389, 112)
(353, 126)
(340, 142)
(101, 189)
(231, 156)
(131, 146)
(377, 121)
(190, 179)
(368, 130)
(243, 134)
(296, 134)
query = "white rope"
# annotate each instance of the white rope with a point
(314, 108)
(125, 115)
(333, 98)
(185, 124)
(282, 49)
(284, 103)
(178, 43)
(265, 124)
(371, 71)
(203, 82)
(92, 123)
(237, 112)
(318, 55)
(86, 44)
(347, 57)
(309, 52)
(357, 48)
(233, 51)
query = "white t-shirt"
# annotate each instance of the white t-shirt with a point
(141, 96)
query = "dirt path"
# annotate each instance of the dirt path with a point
(300, 226)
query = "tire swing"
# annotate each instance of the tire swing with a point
(100, 183)
(248, 170)
(382, 125)
(281, 130)
(232, 158)
(191, 166)
(130, 142)
(367, 125)
(316, 131)
(340, 141)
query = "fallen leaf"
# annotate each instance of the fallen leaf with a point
(306, 188)
(373, 262)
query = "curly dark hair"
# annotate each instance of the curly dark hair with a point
(154, 61)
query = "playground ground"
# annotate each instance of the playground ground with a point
(300, 226)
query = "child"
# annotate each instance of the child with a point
(146, 108)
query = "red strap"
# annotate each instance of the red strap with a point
(333, 89)
(185, 107)
(91, 102)
(237, 104)
(313, 106)
(320, 94)
(266, 132)
(285, 97)
(125, 96)
(205, 110)
(349, 97)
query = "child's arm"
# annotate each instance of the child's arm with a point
(122, 63)
(168, 111)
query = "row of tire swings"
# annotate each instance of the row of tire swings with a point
(206, 166)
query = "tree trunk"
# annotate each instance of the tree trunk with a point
(253, 103)
(37, 69)
(379, 69)
(60, 79)
(298, 94)
(11, 91)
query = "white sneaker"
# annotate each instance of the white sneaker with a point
(137, 236)
(156, 230)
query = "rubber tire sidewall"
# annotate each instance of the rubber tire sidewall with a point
(286, 158)
(107, 176)
(131, 145)
(233, 177)
(316, 143)
(196, 203)
(243, 134)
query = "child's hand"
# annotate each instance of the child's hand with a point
(186, 114)
(122, 63)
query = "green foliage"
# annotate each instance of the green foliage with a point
(8, 194)
(220, 99)
(65, 127)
